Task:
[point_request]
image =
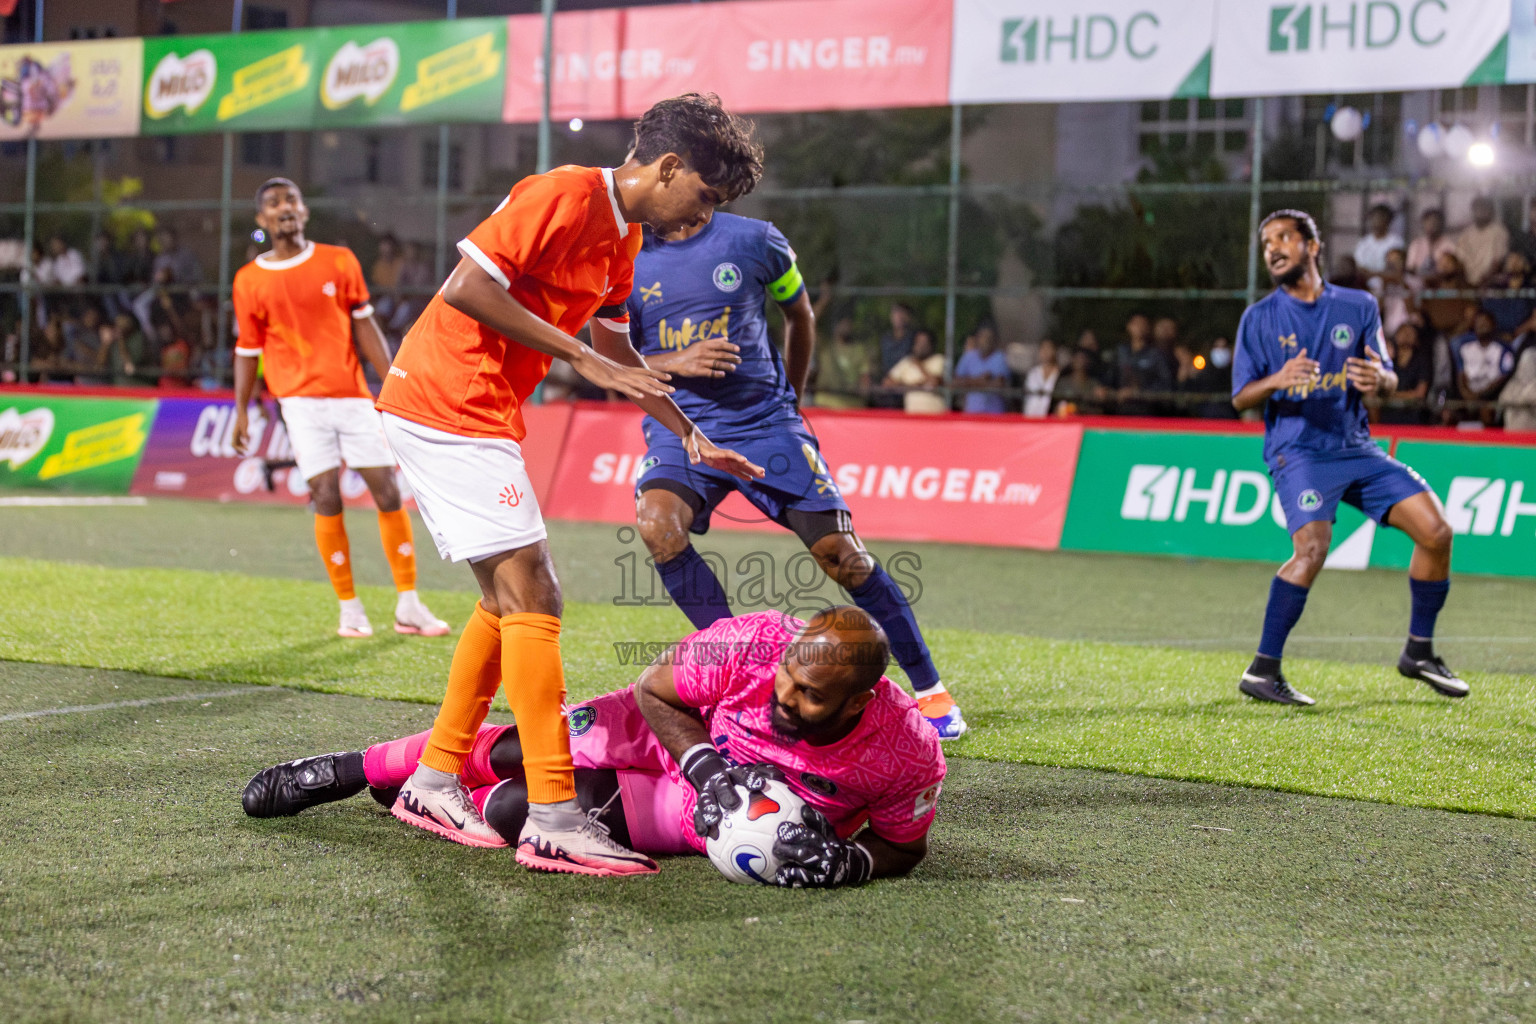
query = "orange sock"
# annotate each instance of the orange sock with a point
(395, 532)
(331, 539)
(530, 662)
(472, 681)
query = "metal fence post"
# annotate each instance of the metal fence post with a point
(29, 230)
(1255, 199)
(545, 157)
(952, 253)
(440, 263)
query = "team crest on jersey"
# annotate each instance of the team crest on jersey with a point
(727, 277)
(581, 719)
(818, 784)
(650, 463)
(1343, 336)
(1308, 500)
(651, 294)
(924, 803)
(329, 288)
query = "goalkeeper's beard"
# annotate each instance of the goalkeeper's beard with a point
(786, 726)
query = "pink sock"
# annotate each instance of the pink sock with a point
(477, 766)
(388, 765)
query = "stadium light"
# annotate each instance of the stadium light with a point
(576, 124)
(1480, 154)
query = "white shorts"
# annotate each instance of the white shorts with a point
(325, 432)
(472, 492)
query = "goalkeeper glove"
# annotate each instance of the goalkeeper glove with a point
(716, 779)
(812, 857)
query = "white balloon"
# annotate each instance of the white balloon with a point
(1347, 124)
(1431, 142)
(1457, 141)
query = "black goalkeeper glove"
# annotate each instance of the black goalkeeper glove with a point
(716, 780)
(812, 857)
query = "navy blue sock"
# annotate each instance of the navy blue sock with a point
(1286, 600)
(1428, 599)
(695, 588)
(885, 603)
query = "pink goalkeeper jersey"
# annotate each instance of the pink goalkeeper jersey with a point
(887, 771)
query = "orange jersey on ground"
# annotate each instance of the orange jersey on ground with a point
(298, 313)
(560, 247)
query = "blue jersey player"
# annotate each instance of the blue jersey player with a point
(1309, 353)
(698, 312)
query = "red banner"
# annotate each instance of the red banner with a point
(758, 55)
(964, 481)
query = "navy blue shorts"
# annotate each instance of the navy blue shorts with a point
(1371, 481)
(796, 477)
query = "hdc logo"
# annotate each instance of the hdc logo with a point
(1473, 504)
(1373, 24)
(1095, 37)
(1160, 493)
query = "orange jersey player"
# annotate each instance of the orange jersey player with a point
(304, 308)
(556, 253)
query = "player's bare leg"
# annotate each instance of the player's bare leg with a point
(412, 617)
(1429, 572)
(336, 552)
(843, 558)
(664, 519)
(1287, 598)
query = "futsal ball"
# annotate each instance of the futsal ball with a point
(743, 851)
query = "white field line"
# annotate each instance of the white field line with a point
(140, 703)
(68, 501)
(1394, 638)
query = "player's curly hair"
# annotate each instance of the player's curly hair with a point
(714, 142)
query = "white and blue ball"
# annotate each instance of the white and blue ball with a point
(743, 851)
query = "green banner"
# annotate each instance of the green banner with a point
(1489, 492)
(72, 444)
(297, 79)
(1205, 495)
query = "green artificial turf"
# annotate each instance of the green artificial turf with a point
(133, 888)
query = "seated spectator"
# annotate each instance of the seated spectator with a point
(1449, 315)
(1482, 244)
(139, 259)
(1424, 251)
(1524, 242)
(384, 278)
(1414, 363)
(417, 283)
(1213, 382)
(983, 373)
(1395, 291)
(1165, 338)
(175, 355)
(180, 260)
(138, 357)
(1346, 274)
(1079, 391)
(1371, 251)
(843, 369)
(1483, 364)
(1040, 382)
(1518, 399)
(919, 373)
(1510, 312)
(1088, 342)
(63, 266)
(46, 360)
(1142, 370)
(1021, 357)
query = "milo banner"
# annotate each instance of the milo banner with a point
(1206, 495)
(1284, 47)
(74, 90)
(72, 444)
(1013, 51)
(304, 78)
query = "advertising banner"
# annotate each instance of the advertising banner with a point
(81, 90)
(1283, 47)
(1489, 493)
(1006, 51)
(72, 444)
(758, 55)
(1520, 64)
(1205, 495)
(968, 482)
(304, 78)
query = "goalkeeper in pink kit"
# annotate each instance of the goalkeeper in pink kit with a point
(665, 759)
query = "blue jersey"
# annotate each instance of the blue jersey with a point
(1321, 421)
(716, 285)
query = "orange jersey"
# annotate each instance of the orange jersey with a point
(560, 247)
(298, 313)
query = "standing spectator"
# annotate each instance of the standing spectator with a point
(897, 342)
(1483, 363)
(983, 367)
(62, 267)
(416, 284)
(920, 372)
(139, 259)
(1040, 382)
(138, 354)
(1424, 251)
(1483, 243)
(1525, 241)
(1346, 273)
(384, 277)
(182, 263)
(1518, 399)
(842, 369)
(1371, 251)
(1079, 391)
(46, 357)
(1395, 290)
(1214, 380)
(1450, 315)
(1098, 368)
(1142, 370)
(1165, 338)
(106, 260)
(1510, 312)
(1415, 366)
(175, 355)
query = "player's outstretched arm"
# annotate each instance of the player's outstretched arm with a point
(473, 292)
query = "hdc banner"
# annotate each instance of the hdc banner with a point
(72, 444)
(70, 90)
(968, 482)
(758, 55)
(1006, 51)
(1281, 47)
